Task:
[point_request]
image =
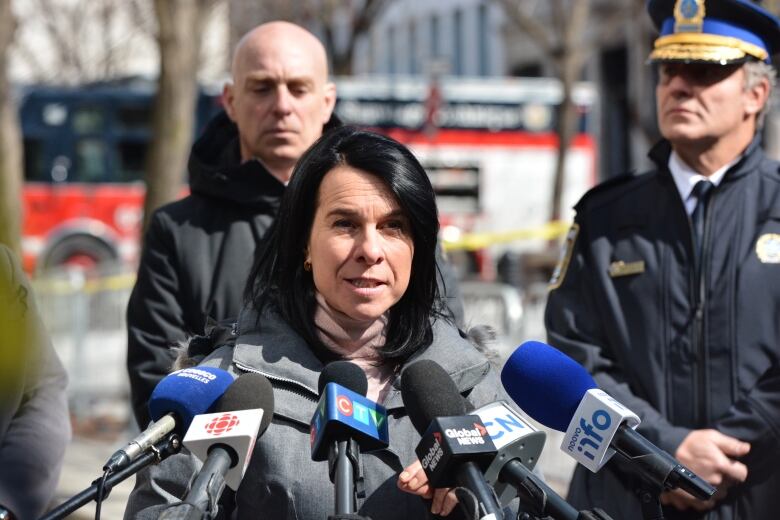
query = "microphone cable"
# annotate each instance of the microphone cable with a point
(101, 493)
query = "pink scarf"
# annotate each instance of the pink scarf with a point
(356, 341)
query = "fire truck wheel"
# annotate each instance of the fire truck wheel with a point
(83, 251)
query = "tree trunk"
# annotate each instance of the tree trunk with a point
(11, 175)
(180, 29)
(565, 130)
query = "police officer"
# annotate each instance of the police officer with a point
(668, 288)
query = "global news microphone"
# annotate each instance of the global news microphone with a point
(349, 274)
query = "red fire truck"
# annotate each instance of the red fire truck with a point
(488, 145)
(84, 153)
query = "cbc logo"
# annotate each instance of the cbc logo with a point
(222, 424)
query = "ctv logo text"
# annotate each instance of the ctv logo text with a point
(358, 412)
(586, 438)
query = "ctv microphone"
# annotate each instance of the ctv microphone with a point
(176, 399)
(344, 424)
(224, 441)
(455, 447)
(559, 393)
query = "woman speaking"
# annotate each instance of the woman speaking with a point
(348, 273)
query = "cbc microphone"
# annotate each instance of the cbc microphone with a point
(559, 393)
(455, 448)
(224, 441)
(175, 401)
(345, 424)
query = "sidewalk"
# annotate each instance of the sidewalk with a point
(84, 459)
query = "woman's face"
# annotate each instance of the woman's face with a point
(360, 247)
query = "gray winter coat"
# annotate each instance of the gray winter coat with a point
(282, 481)
(34, 420)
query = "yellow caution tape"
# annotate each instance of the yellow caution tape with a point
(65, 285)
(475, 241)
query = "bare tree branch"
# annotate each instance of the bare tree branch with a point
(529, 25)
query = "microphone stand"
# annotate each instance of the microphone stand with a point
(650, 498)
(344, 471)
(540, 498)
(158, 453)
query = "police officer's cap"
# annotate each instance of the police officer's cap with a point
(713, 31)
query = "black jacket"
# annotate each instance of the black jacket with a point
(684, 352)
(197, 255)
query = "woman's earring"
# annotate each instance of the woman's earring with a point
(307, 265)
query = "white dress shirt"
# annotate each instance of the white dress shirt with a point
(685, 178)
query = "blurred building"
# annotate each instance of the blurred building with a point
(477, 38)
(457, 38)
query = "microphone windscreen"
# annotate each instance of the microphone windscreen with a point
(251, 390)
(187, 393)
(343, 373)
(429, 392)
(546, 383)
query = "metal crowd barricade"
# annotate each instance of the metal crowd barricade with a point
(84, 312)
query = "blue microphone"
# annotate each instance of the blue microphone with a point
(175, 401)
(344, 424)
(344, 413)
(558, 392)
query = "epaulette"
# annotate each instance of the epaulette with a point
(606, 189)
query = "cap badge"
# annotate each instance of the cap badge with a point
(688, 16)
(768, 248)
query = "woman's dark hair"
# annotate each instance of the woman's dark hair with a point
(278, 276)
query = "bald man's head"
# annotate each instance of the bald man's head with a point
(280, 97)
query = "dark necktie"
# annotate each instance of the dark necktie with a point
(701, 191)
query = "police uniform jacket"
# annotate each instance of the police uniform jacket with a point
(681, 348)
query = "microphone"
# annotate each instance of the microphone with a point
(519, 446)
(455, 448)
(344, 424)
(224, 440)
(175, 401)
(558, 392)
(515, 440)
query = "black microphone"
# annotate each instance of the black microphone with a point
(455, 448)
(224, 440)
(344, 424)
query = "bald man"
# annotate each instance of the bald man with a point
(198, 251)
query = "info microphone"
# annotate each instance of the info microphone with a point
(345, 424)
(175, 401)
(558, 392)
(224, 441)
(455, 448)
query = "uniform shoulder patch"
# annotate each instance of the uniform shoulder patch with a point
(559, 273)
(768, 248)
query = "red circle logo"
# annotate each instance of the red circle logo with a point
(344, 405)
(222, 424)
